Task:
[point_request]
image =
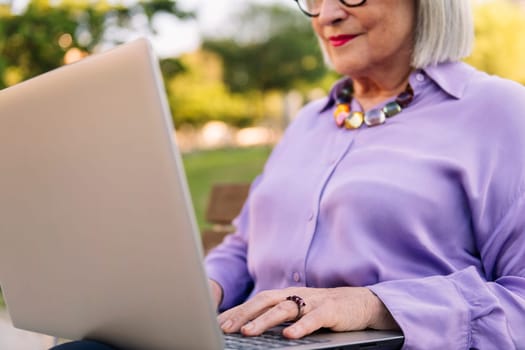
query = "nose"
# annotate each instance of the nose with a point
(331, 11)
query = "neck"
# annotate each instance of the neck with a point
(372, 89)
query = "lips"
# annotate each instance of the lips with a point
(340, 40)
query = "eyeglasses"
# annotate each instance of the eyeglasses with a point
(312, 8)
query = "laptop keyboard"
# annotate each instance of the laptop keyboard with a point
(237, 341)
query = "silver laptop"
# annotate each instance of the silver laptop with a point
(97, 232)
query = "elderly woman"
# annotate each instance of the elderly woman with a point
(397, 202)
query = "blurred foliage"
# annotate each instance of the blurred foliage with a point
(500, 44)
(39, 38)
(274, 48)
(199, 94)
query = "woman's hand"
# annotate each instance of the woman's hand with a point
(340, 309)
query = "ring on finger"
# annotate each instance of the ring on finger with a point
(300, 305)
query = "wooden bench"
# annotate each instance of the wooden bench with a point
(224, 204)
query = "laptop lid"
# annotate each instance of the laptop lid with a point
(98, 237)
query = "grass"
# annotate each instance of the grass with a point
(205, 168)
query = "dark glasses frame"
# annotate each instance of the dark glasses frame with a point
(309, 14)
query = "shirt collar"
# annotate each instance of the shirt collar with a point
(451, 77)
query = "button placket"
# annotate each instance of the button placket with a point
(297, 272)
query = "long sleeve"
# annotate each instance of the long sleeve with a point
(468, 309)
(480, 305)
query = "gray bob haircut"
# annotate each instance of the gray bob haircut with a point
(444, 31)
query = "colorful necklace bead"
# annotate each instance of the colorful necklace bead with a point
(344, 116)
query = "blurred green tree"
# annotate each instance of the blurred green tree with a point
(199, 94)
(48, 33)
(273, 48)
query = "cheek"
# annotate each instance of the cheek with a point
(323, 45)
(316, 27)
(390, 36)
(398, 28)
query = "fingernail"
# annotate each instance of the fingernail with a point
(247, 326)
(292, 331)
(226, 325)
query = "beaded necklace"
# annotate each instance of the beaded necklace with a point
(344, 116)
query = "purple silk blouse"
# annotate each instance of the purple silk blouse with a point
(426, 210)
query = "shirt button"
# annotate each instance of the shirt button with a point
(296, 277)
(420, 77)
(311, 216)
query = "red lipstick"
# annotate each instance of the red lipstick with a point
(340, 40)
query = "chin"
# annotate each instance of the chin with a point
(346, 68)
(337, 62)
(345, 64)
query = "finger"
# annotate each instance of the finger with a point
(309, 323)
(284, 311)
(235, 319)
(232, 320)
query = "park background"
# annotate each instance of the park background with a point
(234, 80)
